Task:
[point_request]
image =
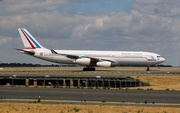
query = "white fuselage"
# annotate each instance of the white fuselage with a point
(121, 57)
(88, 58)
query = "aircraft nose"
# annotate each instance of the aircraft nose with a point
(163, 59)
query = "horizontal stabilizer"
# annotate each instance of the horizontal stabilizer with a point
(26, 52)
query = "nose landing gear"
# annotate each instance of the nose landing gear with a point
(148, 68)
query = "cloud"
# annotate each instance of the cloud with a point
(165, 8)
(103, 4)
(151, 25)
(5, 40)
(24, 7)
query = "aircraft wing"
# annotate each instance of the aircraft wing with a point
(81, 56)
(67, 55)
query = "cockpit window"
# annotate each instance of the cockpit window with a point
(158, 56)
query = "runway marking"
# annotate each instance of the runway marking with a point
(126, 103)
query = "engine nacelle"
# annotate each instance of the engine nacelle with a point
(83, 61)
(104, 64)
(107, 64)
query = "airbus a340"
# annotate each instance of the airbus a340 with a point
(90, 59)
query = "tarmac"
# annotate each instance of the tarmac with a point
(91, 96)
(112, 74)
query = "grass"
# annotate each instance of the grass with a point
(140, 89)
(74, 108)
(2, 98)
(149, 88)
(168, 82)
(103, 101)
(146, 101)
(55, 86)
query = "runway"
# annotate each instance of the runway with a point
(91, 96)
(90, 74)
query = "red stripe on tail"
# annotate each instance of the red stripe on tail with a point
(28, 41)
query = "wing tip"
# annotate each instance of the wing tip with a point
(54, 52)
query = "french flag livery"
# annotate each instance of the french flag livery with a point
(90, 59)
(28, 40)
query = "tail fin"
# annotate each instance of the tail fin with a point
(28, 40)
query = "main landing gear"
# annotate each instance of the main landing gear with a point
(89, 69)
(148, 68)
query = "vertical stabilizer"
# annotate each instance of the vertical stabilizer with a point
(28, 40)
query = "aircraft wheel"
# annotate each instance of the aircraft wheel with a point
(89, 69)
(148, 69)
(84, 69)
(93, 69)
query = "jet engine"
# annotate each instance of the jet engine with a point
(87, 61)
(83, 61)
(107, 64)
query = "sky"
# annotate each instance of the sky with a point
(117, 25)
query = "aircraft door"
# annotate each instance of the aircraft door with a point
(149, 58)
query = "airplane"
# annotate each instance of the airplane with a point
(90, 59)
